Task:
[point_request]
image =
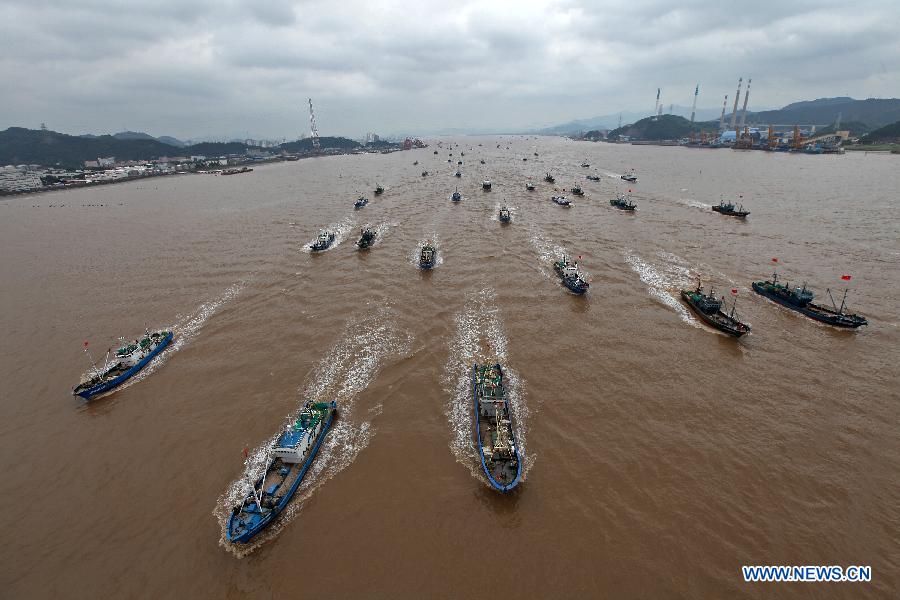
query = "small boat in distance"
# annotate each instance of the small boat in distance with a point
(800, 299)
(482, 161)
(630, 176)
(367, 238)
(571, 277)
(529, 186)
(576, 190)
(561, 200)
(458, 173)
(415, 163)
(486, 185)
(709, 309)
(623, 203)
(129, 359)
(727, 208)
(427, 256)
(424, 173)
(494, 436)
(362, 201)
(504, 215)
(593, 177)
(286, 467)
(585, 165)
(459, 162)
(323, 242)
(379, 190)
(456, 197)
(549, 178)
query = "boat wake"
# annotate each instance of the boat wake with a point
(185, 329)
(694, 203)
(351, 365)
(479, 338)
(664, 282)
(548, 251)
(341, 230)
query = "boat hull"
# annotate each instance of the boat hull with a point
(731, 213)
(813, 311)
(503, 487)
(117, 381)
(265, 519)
(720, 321)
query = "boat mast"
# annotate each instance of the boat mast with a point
(843, 301)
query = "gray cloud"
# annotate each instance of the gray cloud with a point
(201, 68)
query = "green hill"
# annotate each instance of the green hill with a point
(665, 127)
(874, 112)
(325, 143)
(888, 133)
(31, 146)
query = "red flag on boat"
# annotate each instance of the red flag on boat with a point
(734, 291)
(85, 344)
(775, 260)
(246, 452)
(579, 257)
(845, 277)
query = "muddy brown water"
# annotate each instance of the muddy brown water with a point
(661, 456)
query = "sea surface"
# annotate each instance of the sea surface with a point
(660, 455)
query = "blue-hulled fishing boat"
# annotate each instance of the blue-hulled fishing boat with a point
(800, 299)
(288, 463)
(130, 359)
(362, 201)
(571, 277)
(456, 197)
(323, 242)
(427, 256)
(494, 435)
(504, 215)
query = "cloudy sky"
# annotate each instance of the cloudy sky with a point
(202, 68)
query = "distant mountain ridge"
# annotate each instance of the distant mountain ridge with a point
(873, 112)
(43, 147)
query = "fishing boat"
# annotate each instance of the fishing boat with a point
(630, 176)
(415, 163)
(529, 186)
(494, 436)
(366, 238)
(585, 165)
(535, 153)
(456, 197)
(561, 200)
(287, 465)
(323, 242)
(571, 277)
(801, 300)
(593, 177)
(576, 190)
(427, 256)
(361, 201)
(486, 185)
(727, 208)
(458, 173)
(623, 203)
(424, 173)
(129, 360)
(549, 178)
(482, 161)
(504, 214)
(709, 308)
(459, 162)
(435, 151)
(379, 190)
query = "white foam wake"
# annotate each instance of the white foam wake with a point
(348, 368)
(479, 337)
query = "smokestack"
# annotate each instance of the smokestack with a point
(746, 97)
(722, 118)
(694, 107)
(736, 99)
(656, 106)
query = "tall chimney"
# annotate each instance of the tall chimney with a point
(744, 110)
(722, 118)
(736, 99)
